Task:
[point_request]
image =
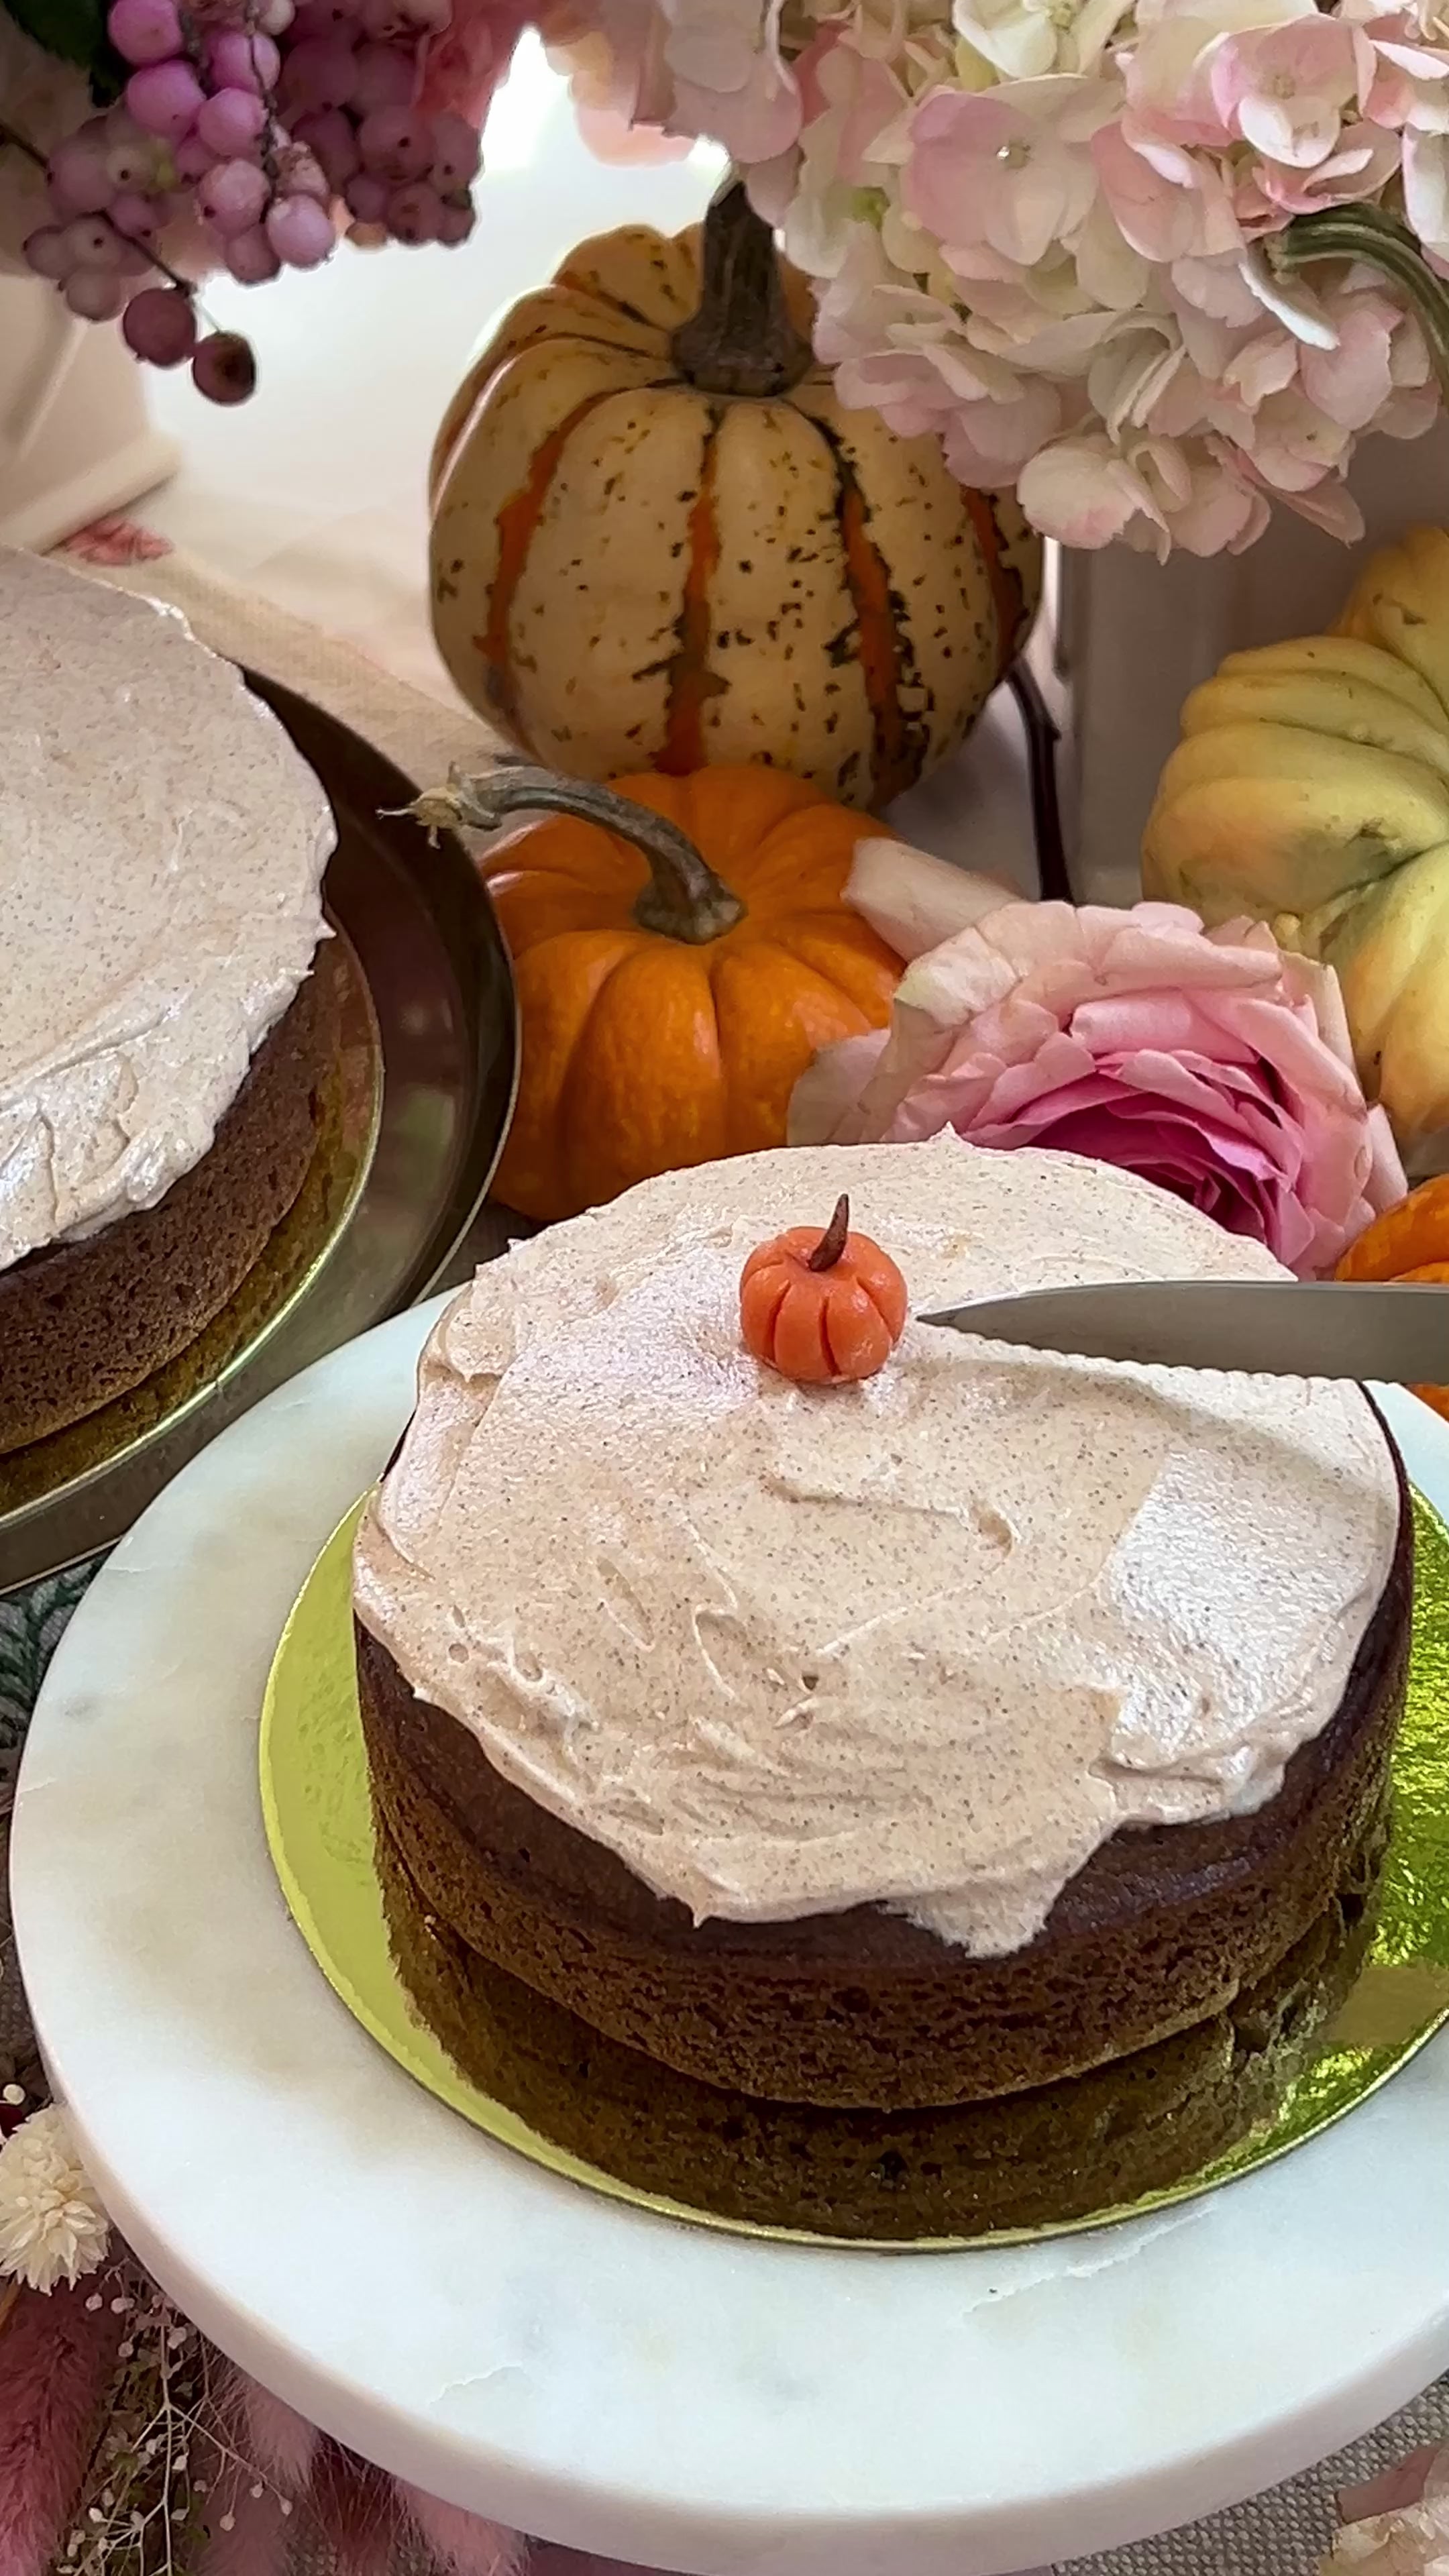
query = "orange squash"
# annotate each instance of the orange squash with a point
(660, 540)
(822, 1309)
(1408, 1242)
(681, 952)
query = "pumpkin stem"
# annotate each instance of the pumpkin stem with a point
(742, 340)
(684, 899)
(1366, 233)
(832, 1242)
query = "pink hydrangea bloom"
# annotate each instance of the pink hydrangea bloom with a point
(1011, 168)
(1287, 90)
(731, 79)
(1208, 1061)
(1154, 492)
(465, 61)
(1046, 234)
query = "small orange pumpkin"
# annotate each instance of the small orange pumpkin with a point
(1409, 1242)
(666, 1014)
(822, 1308)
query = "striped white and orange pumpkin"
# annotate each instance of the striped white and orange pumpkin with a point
(658, 539)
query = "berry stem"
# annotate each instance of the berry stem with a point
(832, 1242)
(21, 143)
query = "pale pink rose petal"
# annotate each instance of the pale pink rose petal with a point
(826, 1103)
(960, 979)
(914, 901)
(1208, 1062)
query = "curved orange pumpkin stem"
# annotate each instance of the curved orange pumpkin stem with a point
(684, 899)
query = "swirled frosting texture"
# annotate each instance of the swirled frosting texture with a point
(161, 857)
(925, 1641)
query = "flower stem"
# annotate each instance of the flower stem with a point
(684, 899)
(1366, 233)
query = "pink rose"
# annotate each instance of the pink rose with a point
(1207, 1060)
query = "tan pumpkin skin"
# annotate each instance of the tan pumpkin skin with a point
(627, 571)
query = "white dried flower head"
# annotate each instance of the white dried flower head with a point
(52, 2226)
(1412, 2541)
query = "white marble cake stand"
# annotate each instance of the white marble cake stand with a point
(521, 2346)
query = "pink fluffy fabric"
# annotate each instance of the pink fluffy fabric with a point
(464, 2542)
(56, 2359)
(549, 2559)
(247, 2535)
(357, 2507)
(281, 2443)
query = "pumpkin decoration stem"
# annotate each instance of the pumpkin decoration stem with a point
(742, 339)
(1366, 233)
(832, 1242)
(683, 899)
(822, 1309)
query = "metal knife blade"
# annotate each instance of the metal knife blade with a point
(1280, 1328)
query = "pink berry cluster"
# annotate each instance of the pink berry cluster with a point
(267, 123)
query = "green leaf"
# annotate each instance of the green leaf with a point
(73, 30)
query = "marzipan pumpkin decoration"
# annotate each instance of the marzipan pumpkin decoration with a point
(659, 541)
(1409, 1242)
(681, 952)
(1311, 791)
(822, 1308)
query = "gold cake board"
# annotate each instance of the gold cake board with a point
(318, 1816)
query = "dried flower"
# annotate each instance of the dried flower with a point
(1410, 2540)
(52, 2225)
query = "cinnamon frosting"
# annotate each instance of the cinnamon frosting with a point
(161, 854)
(925, 1641)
